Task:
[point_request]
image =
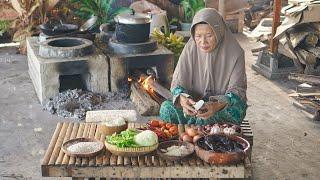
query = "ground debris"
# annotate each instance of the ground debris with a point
(75, 103)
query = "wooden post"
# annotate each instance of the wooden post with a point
(275, 24)
(222, 8)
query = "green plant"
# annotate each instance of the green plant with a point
(31, 13)
(171, 41)
(190, 7)
(4, 27)
(100, 8)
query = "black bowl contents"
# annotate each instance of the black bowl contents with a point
(219, 144)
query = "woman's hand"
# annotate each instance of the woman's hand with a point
(187, 105)
(209, 109)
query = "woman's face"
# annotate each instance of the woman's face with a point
(205, 37)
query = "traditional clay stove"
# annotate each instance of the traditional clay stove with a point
(65, 63)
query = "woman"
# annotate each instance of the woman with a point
(211, 67)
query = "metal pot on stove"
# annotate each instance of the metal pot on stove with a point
(132, 27)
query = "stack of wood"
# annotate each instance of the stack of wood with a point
(303, 42)
(299, 35)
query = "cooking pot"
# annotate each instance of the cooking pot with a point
(132, 27)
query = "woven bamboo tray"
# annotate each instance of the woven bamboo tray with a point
(130, 152)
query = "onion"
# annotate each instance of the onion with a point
(195, 139)
(191, 132)
(215, 130)
(182, 134)
(187, 138)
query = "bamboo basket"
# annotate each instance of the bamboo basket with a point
(130, 151)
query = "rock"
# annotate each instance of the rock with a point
(37, 129)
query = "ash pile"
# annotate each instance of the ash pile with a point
(75, 103)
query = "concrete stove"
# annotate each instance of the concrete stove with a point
(57, 63)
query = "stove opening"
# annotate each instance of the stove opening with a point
(71, 82)
(65, 43)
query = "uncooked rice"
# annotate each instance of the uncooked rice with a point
(84, 147)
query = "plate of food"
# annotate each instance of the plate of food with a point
(132, 142)
(221, 149)
(165, 131)
(175, 150)
(113, 125)
(82, 147)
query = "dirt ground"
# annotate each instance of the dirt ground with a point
(286, 142)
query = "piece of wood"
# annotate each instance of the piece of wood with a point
(101, 137)
(52, 144)
(305, 78)
(86, 133)
(156, 86)
(75, 127)
(222, 8)
(314, 50)
(66, 138)
(296, 61)
(275, 24)
(305, 56)
(58, 144)
(232, 171)
(79, 134)
(303, 94)
(145, 105)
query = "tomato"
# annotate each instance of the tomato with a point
(169, 125)
(161, 123)
(173, 130)
(167, 133)
(154, 123)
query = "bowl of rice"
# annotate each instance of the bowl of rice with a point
(113, 125)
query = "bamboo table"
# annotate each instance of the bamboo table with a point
(106, 165)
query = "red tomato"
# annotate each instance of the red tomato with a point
(173, 130)
(154, 123)
(161, 123)
(169, 125)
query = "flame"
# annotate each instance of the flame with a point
(146, 83)
(129, 79)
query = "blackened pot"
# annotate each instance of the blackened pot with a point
(132, 28)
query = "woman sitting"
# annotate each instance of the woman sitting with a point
(211, 68)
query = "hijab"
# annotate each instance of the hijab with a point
(215, 73)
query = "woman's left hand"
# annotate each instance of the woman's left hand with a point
(209, 109)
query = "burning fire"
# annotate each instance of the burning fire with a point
(129, 79)
(146, 83)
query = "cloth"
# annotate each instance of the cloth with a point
(233, 113)
(216, 73)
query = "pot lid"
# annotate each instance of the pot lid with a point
(132, 18)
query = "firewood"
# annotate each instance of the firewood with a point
(306, 57)
(145, 105)
(305, 78)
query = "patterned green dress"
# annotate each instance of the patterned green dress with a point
(234, 112)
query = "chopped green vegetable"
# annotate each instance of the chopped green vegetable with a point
(124, 139)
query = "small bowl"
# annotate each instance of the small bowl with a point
(224, 158)
(166, 144)
(109, 130)
(71, 142)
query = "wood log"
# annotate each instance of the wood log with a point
(296, 61)
(305, 56)
(314, 50)
(145, 105)
(305, 78)
(164, 92)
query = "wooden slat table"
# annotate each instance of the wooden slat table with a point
(58, 164)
